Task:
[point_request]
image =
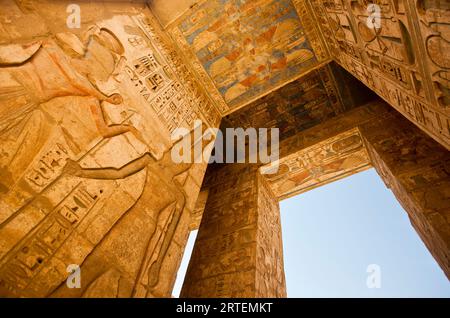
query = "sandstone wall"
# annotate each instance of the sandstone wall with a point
(86, 177)
(238, 251)
(402, 55)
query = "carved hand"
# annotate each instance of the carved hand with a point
(115, 99)
(72, 168)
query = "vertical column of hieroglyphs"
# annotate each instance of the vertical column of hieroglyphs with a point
(270, 278)
(223, 261)
(86, 117)
(416, 169)
(433, 28)
(238, 250)
(398, 49)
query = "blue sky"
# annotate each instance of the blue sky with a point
(333, 233)
(184, 264)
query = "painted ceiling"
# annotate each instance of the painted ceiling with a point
(244, 49)
(308, 101)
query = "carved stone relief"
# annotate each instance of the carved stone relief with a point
(434, 22)
(238, 250)
(325, 162)
(86, 116)
(415, 168)
(389, 59)
(85, 143)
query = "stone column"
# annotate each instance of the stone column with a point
(416, 168)
(238, 252)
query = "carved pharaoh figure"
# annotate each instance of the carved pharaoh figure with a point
(35, 74)
(168, 217)
(65, 68)
(66, 72)
(41, 71)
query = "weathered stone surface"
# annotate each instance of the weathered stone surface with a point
(404, 59)
(325, 162)
(86, 117)
(85, 138)
(238, 252)
(416, 169)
